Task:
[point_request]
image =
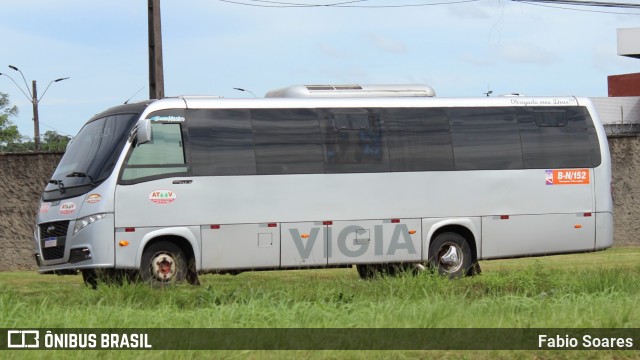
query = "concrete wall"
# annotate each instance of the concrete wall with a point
(22, 178)
(625, 156)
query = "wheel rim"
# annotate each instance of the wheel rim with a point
(450, 257)
(163, 267)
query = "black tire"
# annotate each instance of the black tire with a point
(367, 272)
(90, 278)
(398, 269)
(474, 270)
(450, 255)
(93, 277)
(163, 263)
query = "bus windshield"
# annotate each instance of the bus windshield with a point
(91, 156)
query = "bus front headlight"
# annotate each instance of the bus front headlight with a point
(83, 222)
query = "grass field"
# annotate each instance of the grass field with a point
(593, 290)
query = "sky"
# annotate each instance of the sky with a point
(211, 46)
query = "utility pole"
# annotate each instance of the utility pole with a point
(36, 122)
(156, 71)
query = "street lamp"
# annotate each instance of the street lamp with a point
(51, 82)
(34, 100)
(245, 90)
(10, 78)
(23, 79)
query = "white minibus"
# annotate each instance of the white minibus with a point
(383, 178)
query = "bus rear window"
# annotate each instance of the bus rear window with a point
(550, 118)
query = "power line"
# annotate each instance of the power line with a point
(282, 4)
(586, 3)
(56, 130)
(543, 3)
(306, 5)
(410, 5)
(344, 4)
(352, 4)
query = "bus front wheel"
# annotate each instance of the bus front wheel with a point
(163, 263)
(450, 255)
(367, 272)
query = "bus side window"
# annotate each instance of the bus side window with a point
(221, 142)
(419, 139)
(353, 141)
(287, 141)
(485, 138)
(164, 154)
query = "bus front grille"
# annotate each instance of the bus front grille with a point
(53, 253)
(53, 236)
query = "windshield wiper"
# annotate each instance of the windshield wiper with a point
(61, 186)
(59, 183)
(81, 174)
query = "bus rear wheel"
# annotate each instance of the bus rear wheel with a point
(450, 255)
(163, 263)
(370, 271)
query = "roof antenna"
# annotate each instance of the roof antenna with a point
(249, 91)
(489, 92)
(132, 96)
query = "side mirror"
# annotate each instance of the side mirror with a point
(143, 133)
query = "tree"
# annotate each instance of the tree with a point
(8, 130)
(53, 141)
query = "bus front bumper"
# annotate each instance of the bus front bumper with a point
(90, 248)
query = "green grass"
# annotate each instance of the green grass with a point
(590, 290)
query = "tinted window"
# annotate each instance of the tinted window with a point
(221, 142)
(594, 142)
(355, 144)
(485, 138)
(351, 121)
(94, 151)
(557, 138)
(418, 139)
(550, 118)
(287, 141)
(305, 141)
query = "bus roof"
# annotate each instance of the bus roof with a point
(351, 91)
(371, 102)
